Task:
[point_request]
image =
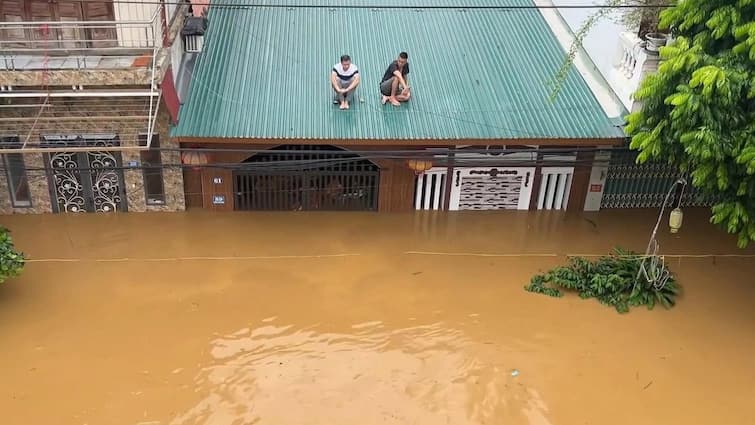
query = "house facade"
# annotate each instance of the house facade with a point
(87, 96)
(264, 135)
(107, 107)
(618, 55)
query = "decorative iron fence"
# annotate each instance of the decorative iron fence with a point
(327, 181)
(632, 185)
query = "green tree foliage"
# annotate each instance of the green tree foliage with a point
(11, 262)
(698, 110)
(612, 280)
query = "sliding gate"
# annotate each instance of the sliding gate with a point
(300, 177)
(633, 185)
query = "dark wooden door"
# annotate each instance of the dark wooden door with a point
(12, 11)
(67, 37)
(42, 36)
(71, 37)
(100, 35)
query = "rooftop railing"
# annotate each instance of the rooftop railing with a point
(113, 44)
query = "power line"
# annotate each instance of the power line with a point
(292, 166)
(418, 153)
(416, 149)
(414, 153)
(349, 254)
(223, 5)
(442, 158)
(289, 165)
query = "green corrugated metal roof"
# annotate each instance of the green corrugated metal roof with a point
(475, 74)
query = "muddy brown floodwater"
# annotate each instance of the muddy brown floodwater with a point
(299, 319)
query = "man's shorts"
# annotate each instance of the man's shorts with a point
(385, 87)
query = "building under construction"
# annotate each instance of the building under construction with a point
(87, 95)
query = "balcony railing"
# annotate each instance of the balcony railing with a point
(632, 62)
(56, 45)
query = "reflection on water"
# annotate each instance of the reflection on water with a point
(428, 374)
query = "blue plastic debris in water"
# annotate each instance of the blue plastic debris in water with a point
(514, 372)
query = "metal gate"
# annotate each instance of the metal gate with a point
(85, 181)
(632, 185)
(555, 187)
(294, 177)
(491, 188)
(430, 189)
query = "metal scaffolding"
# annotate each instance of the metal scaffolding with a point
(47, 116)
(59, 122)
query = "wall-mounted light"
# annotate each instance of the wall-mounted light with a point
(419, 166)
(195, 159)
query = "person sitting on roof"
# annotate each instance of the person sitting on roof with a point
(394, 86)
(345, 79)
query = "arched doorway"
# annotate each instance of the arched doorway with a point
(306, 177)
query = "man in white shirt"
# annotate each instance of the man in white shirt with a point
(344, 78)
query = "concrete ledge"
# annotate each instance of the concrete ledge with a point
(135, 76)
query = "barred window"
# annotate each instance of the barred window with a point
(152, 167)
(15, 171)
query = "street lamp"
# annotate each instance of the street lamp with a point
(652, 267)
(675, 220)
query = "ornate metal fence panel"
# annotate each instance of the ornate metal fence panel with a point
(90, 181)
(633, 185)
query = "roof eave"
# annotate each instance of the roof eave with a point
(597, 141)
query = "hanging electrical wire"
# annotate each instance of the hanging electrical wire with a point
(244, 4)
(652, 265)
(294, 165)
(408, 153)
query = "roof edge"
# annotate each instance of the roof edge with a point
(612, 106)
(605, 141)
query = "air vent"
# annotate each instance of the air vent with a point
(193, 43)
